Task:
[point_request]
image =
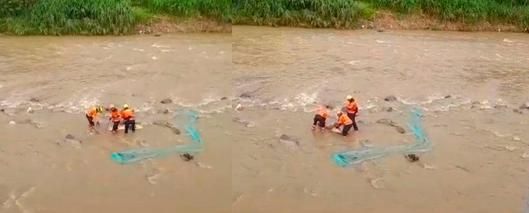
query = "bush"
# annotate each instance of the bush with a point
(316, 13)
(217, 9)
(10, 8)
(56, 17)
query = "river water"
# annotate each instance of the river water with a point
(59, 77)
(468, 85)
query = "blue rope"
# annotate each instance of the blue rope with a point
(136, 155)
(422, 144)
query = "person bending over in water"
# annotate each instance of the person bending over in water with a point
(352, 109)
(115, 117)
(321, 115)
(91, 116)
(128, 118)
(345, 121)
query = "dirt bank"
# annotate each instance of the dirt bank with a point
(173, 25)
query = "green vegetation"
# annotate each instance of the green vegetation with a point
(99, 17)
(515, 12)
(346, 13)
(215, 9)
(315, 13)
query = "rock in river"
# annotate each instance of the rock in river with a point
(287, 140)
(390, 98)
(166, 101)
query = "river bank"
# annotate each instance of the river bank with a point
(109, 17)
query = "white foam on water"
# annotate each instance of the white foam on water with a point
(159, 46)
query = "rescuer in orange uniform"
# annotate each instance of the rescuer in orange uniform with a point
(322, 113)
(115, 117)
(127, 114)
(352, 109)
(91, 115)
(345, 121)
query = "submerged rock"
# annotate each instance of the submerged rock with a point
(246, 123)
(245, 95)
(386, 121)
(163, 111)
(168, 125)
(391, 123)
(166, 101)
(501, 106)
(388, 109)
(224, 98)
(448, 96)
(519, 111)
(390, 98)
(366, 143)
(400, 129)
(412, 157)
(70, 140)
(187, 157)
(287, 140)
(524, 106)
(34, 99)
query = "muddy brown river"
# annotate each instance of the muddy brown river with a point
(252, 89)
(467, 85)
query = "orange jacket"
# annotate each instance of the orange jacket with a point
(344, 120)
(322, 111)
(92, 112)
(352, 107)
(127, 114)
(115, 116)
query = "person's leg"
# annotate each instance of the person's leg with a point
(127, 124)
(115, 126)
(90, 121)
(133, 125)
(346, 129)
(355, 127)
(316, 119)
(322, 122)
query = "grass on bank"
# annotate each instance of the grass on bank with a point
(99, 17)
(345, 13)
(515, 12)
(315, 13)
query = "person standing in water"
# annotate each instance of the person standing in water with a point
(127, 114)
(115, 117)
(321, 115)
(91, 116)
(352, 108)
(343, 121)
